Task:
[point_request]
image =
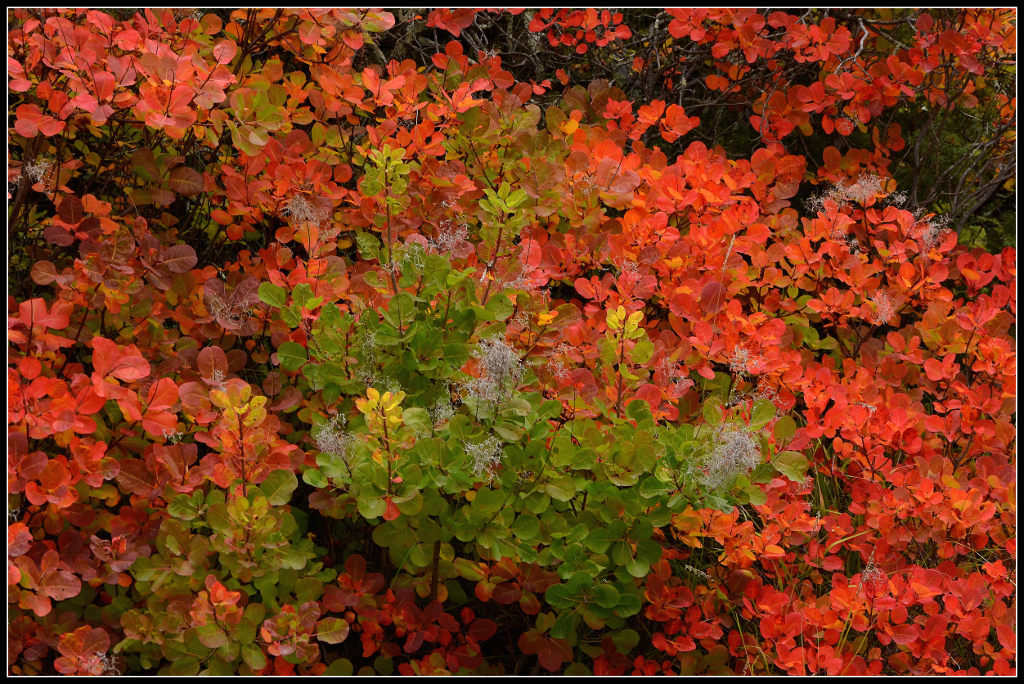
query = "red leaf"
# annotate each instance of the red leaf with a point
(482, 629)
(905, 634)
(34, 313)
(71, 210)
(652, 394)
(550, 652)
(452, 21)
(19, 540)
(224, 51)
(162, 394)
(353, 39)
(84, 641)
(585, 288)
(211, 360)
(676, 124)
(54, 474)
(391, 511)
(43, 272)
(179, 258)
(712, 297)
(37, 603)
(176, 459)
(56, 583)
(30, 120)
(507, 592)
(56, 235)
(185, 181)
(158, 423)
(137, 478)
(105, 83)
(124, 363)
(181, 96)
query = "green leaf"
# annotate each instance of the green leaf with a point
(792, 464)
(755, 495)
(785, 428)
(638, 567)
(182, 507)
(384, 665)
(468, 569)
(332, 466)
(371, 506)
(369, 245)
(302, 294)
(254, 657)
(626, 640)
(211, 636)
(273, 295)
(561, 489)
(565, 626)
(308, 589)
(217, 518)
(549, 409)
(183, 666)
(661, 516)
(393, 533)
(643, 351)
(516, 198)
(418, 419)
(639, 410)
(314, 478)
(712, 411)
(291, 317)
(291, 355)
(278, 487)
(605, 595)
(500, 306)
(763, 473)
(342, 667)
(762, 413)
(601, 538)
(559, 595)
(525, 527)
(518, 406)
(651, 487)
(509, 433)
(332, 630)
(629, 604)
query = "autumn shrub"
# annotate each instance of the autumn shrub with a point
(354, 342)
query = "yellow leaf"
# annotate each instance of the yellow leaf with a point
(634, 320)
(219, 398)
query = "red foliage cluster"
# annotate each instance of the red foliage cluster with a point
(593, 27)
(169, 167)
